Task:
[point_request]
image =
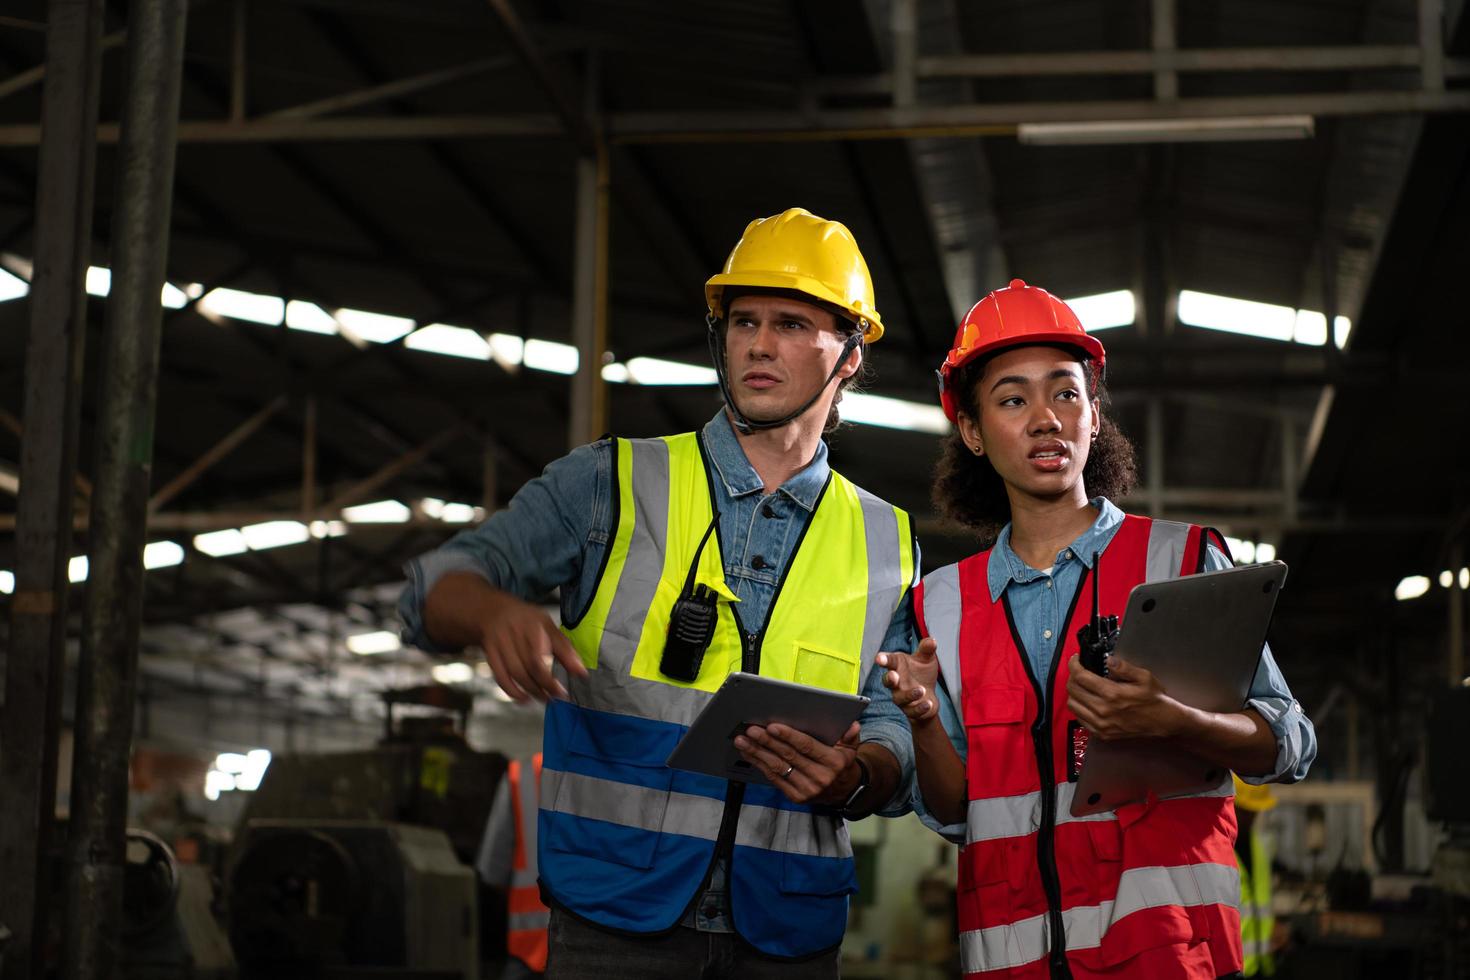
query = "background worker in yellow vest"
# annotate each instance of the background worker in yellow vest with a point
(1257, 924)
(507, 861)
(741, 536)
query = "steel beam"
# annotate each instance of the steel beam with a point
(29, 725)
(1162, 59)
(577, 126)
(1162, 25)
(108, 667)
(216, 453)
(391, 90)
(385, 473)
(1431, 44)
(588, 418)
(23, 80)
(239, 22)
(1456, 625)
(824, 125)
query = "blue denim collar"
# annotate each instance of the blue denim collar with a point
(1007, 567)
(740, 478)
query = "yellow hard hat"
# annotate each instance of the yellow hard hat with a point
(1257, 799)
(798, 250)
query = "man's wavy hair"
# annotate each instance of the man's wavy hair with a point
(967, 488)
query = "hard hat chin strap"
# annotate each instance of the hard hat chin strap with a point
(745, 425)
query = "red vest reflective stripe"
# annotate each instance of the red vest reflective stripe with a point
(529, 916)
(1128, 882)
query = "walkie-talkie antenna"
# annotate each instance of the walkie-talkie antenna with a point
(1096, 587)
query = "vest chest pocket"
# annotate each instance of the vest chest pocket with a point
(818, 666)
(998, 762)
(628, 798)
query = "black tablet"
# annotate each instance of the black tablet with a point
(750, 699)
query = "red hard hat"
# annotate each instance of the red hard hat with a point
(1017, 316)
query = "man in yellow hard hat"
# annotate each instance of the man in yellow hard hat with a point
(680, 560)
(1257, 923)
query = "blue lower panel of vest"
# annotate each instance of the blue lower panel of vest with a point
(629, 749)
(790, 904)
(618, 876)
(786, 905)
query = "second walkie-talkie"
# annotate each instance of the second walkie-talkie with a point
(1099, 637)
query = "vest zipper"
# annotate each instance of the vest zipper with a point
(750, 662)
(1046, 856)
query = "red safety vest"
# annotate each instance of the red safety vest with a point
(529, 916)
(1149, 890)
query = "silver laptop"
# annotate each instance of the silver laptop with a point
(1201, 636)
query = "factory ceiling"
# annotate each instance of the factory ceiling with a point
(357, 177)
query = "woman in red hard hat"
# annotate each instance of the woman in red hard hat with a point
(1149, 890)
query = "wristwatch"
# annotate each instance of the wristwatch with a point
(860, 790)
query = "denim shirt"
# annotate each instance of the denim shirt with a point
(1039, 603)
(556, 529)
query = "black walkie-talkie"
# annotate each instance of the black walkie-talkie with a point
(691, 623)
(1099, 637)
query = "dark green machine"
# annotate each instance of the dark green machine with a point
(358, 863)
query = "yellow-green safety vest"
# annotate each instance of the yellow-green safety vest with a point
(1256, 920)
(626, 842)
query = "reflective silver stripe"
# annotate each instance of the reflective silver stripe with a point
(880, 532)
(645, 561)
(1185, 884)
(1018, 943)
(793, 831)
(527, 921)
(625, 695)
(521, 878)
(999, 817)
(1166, 541)
(1003, 947)
(660, 811)
(526, 824)
(942, 620)
(643, 807)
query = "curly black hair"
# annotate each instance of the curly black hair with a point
(968, 490)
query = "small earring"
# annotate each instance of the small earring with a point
(978, 450)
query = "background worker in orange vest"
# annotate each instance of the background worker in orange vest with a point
(507, 861)
(1148, 891)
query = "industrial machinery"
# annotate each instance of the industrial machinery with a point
(359, 863)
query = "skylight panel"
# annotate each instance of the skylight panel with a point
(1241, 316)
(99, 281)
(1104, 310)
(162, 554)
(894, 413)
(301, 315)
(441, 338)
(218, 544)
(380, 328)
(240, 305)
(368, 644)
(378, 512)
(546, 355)
(12, 286)
(507, 350)
(653, 371)
(274, 534)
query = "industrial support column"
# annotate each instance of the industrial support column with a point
(31, 720)
(117, 532)
(589, 299)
